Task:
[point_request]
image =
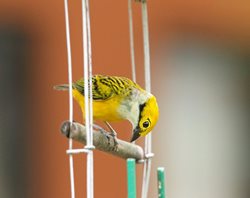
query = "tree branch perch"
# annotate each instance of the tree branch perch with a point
(102, 142)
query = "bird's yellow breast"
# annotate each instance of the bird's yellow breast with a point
(104, 110)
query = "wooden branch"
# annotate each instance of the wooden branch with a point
(102, 142)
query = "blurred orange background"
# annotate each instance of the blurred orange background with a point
(44, 164)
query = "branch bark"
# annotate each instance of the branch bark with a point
(102, 142)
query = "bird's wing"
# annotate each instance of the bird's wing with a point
(105, 87)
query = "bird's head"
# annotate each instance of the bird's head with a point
(148, 117)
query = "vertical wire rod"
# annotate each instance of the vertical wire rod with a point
(90, 74)
(145, 164)
(131, 39)
(148, 139)
(146, 65)
(90, 155)
(71, 163)
(90, 176)
(86, 68)
(148, 170)
(146, 46)
(88, 95)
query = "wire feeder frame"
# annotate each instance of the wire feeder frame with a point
(87, 54)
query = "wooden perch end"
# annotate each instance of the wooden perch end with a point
(102, 142)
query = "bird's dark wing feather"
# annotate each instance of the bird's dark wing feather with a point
(105, 87)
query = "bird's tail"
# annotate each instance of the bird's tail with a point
(62, 87)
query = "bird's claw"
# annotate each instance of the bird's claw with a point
(109, 135)
(115, 147)
(113, 134)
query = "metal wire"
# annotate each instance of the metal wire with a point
(87, 77)
(77, 151)
(131, 39)
(90, 74)
(71, 163)
(88, 95)
(148, 139)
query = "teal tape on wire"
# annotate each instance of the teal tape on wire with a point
(131, 175)
(161, 182)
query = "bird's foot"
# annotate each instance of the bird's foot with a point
(109, 136)
(115, 147)
(114, 135)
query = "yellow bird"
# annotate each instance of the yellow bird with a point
(119, 98)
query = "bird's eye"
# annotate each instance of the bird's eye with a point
(145, 124)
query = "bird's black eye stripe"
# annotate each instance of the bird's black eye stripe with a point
(141, 107)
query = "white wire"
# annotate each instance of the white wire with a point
(77, 151)
(146, 46)
(87, 80)
(90, 74)
(148, 170)
(88, 95)
(90, 175)
(144, 178)
(131, 38)
(71, 163)
(148, 139)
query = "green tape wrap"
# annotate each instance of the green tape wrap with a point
(161, 182)
(131, 174)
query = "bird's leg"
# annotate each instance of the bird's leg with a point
(107, 134)
(102, 131)
(113, 134)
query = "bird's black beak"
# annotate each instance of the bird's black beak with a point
(136, 134)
